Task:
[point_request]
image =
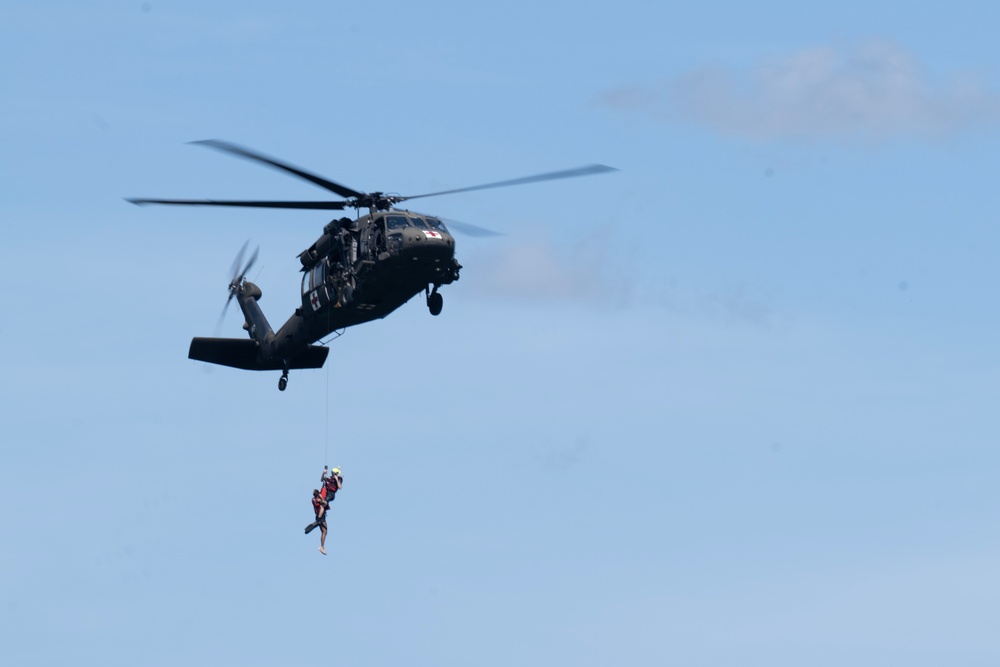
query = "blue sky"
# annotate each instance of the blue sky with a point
(731, 405)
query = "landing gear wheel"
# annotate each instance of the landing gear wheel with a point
(435, 302)
(283, 382)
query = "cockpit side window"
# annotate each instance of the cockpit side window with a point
(396, 222)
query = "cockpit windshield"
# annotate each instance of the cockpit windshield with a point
(436, 225)
(393, 222)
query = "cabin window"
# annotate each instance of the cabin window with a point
(317, 276)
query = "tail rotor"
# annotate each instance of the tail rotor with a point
(238, 271)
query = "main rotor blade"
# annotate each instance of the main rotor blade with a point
(469, 229)
(550, 176)
(226, 147)
(314, 205)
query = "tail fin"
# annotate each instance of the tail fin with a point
(242, 353)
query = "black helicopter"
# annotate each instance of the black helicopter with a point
(359, 270)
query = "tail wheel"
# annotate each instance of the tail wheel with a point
(435, 302)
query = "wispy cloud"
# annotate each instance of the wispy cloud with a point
(585, 270)
(733, 305)
(566, 457)
(871, 91)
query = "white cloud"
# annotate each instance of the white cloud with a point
(872, 91)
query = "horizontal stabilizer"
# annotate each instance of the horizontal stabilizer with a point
(242, 353)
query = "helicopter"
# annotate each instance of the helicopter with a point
(358, 270)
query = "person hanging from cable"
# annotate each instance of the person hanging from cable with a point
(320, 506)
(332, 481)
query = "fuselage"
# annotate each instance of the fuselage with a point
(361, 270)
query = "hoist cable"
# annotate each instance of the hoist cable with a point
(326, 440)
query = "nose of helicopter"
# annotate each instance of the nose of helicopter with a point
(427, 243)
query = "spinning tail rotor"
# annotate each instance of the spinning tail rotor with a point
(238, 272)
